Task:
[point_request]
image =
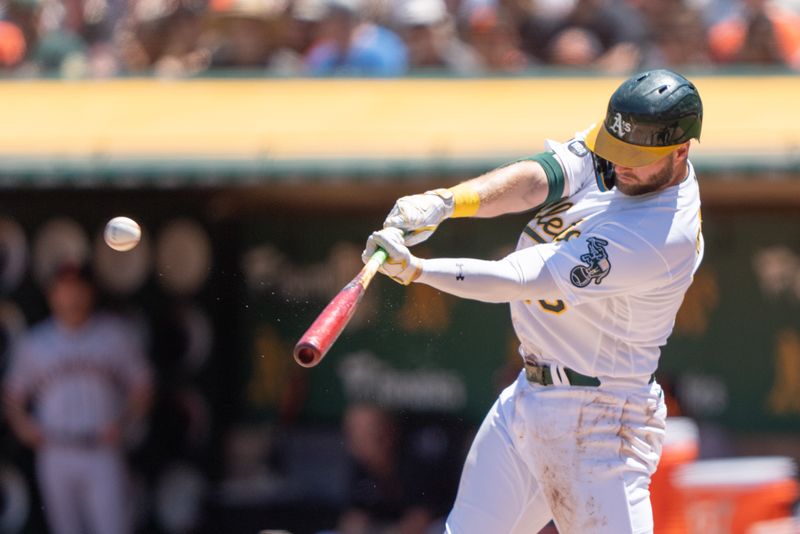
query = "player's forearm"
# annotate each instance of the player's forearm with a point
(510, 189)
(22, 424)
(140, 400)
(516, 187)
(519, 276)
(18, 421)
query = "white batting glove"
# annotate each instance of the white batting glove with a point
(418, 216)
(400, 265)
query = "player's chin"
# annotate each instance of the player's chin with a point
(626, 184)
(634, 189)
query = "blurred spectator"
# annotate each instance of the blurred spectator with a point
(430, 36)
(24, 14)
(351, 46)
(245, 33)
(62, 52)
(161, 36)
(85, 378)
(490, 33)
(384, 496)
(538, 21)
(575, 47)
(380, 12)
(678, 34)
(612, 31)
(300, 27)
(760, 32)
(50, 44)
(98, 20)
(70, 38)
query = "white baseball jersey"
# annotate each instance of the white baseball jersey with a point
(77, 379)
(622, 264)
(597, 277)
(594, 285)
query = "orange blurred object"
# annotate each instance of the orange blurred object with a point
(12, 44)
(731, 496)
(728, 38)
(681, 447)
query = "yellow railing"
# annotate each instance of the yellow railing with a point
(413, 118)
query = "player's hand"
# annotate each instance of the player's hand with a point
(110, 435)
(418, 216)
(31, 435)
(400, 265)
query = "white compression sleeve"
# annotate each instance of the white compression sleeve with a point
(520, 275)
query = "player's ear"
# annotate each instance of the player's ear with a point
(682, 153)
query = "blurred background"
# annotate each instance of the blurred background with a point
(259, 142)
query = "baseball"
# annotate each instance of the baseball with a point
(122, 233)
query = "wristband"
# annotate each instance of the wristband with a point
(466, 201)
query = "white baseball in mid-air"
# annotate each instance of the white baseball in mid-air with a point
(122, 233)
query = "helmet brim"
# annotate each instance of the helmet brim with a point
(608, 147)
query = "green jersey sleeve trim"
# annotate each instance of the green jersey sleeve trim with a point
(555, 175)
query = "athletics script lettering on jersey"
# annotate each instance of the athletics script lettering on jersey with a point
(548, 225)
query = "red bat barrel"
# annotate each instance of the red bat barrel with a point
(322, 333)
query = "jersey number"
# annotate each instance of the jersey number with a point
(553, 226)
(556, 306)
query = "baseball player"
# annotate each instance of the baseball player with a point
(594, 285)
(87, 380)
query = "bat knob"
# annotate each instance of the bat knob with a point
(307, 355)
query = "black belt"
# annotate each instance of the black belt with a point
(540, 373)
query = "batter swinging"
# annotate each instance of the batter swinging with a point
(594, 285)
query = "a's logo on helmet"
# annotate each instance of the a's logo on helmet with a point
(620, 126)
(597, 265)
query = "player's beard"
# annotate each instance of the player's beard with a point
(654, 182)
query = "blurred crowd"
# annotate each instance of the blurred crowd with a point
(98, 39)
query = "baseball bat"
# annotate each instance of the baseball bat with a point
(326, 328)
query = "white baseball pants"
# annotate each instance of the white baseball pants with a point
(84, 490)
(582, 456)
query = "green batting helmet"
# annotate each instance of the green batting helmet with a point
(649, 116)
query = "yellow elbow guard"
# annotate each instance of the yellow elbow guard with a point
(465, 201)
